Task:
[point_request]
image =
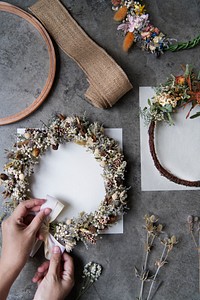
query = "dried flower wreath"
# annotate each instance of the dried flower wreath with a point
(137, 28)
(35, 142)
(177, 92)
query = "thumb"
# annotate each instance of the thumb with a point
(37, 221)
(54, 267)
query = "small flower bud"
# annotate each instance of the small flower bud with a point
(190, 219)
(36, 152)
(55, 146)
(3, 176)
(68, 222)
(27, 135)
(21, 176)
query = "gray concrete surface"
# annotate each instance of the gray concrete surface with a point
(118, 254)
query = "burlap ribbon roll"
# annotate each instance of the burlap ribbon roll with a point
(108, 82)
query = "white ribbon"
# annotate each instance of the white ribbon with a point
(49, 241)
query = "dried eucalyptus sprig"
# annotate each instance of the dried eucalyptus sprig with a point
(194, 230)
(91, 273)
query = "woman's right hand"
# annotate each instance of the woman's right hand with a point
(55, 278)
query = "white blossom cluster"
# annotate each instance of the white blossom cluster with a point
(93, 271)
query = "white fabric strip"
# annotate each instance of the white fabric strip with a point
(49, 241)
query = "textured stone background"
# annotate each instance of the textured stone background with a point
(21, 79)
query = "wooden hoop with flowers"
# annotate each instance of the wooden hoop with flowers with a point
(137, 28)
(34, 143)
(177, 92)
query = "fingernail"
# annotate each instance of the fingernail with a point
(56, 249)
(47, 211)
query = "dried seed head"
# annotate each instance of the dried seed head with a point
(27, 135)
(92, 229)
(55, 146)
(20, 144)
(36, 152)
(112, 219)
(18, 155)
(61, 117)
(6, 194)
(102, 163)
(152, 218)
(21, 176)
(159, 228)
(115, 196)
(68, 222)
(3, 176)
(158, 263)
(190, 219)
(173, 240)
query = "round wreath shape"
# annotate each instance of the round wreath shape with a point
(177, 92)
(34, 143)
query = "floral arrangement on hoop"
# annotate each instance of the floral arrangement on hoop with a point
(35, 142)
(177, 92)
(137, 27)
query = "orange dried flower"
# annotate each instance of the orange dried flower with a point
(128, 41)
(121, 14)
(180, 80)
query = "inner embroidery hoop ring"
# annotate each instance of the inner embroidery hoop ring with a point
(163, 171)
(6, 7)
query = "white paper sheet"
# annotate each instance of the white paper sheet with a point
(74, 177)
(177, 147)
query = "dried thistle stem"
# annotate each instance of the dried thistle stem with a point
(191, 225)
(161, 263)
(192, 234)
(144, 269)
(141, 290)
(149, 244)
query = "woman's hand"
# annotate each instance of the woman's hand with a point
(19, 233)
(55, 278)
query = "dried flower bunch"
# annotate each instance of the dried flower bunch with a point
(137, 27)
(91, 273)
(176, 93)
(154, 230)
(35, 142)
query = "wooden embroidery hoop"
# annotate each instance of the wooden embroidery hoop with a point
(6, 7)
